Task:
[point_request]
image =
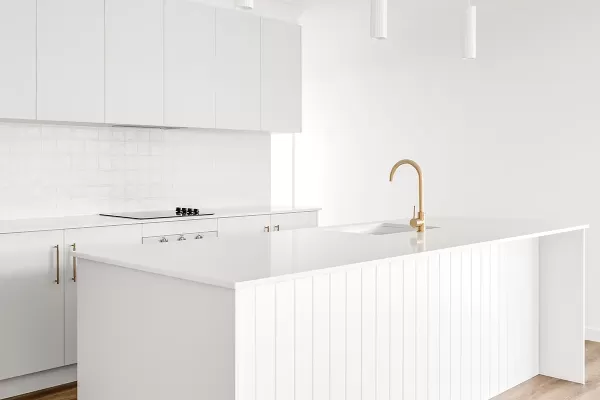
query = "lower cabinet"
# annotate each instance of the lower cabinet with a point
(79, 238)
(31, 303)
(38, 280)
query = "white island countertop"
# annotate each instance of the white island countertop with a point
(234, 262)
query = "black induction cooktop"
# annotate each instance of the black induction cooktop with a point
(179, 212)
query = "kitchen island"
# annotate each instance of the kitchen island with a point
(464, 311)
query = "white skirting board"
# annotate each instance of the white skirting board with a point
(593, 335)
(38, 381)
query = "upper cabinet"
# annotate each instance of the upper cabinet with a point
(189, 35)
(174, 63)
(17, 68)
(134, 62)
(70, 60)
(281, 77)
(238, 70)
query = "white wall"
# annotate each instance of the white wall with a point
(514, 133)
(50, 170)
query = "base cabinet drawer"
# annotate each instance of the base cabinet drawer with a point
(285, 222)
(244, 225)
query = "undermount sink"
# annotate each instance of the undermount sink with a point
(381, 228)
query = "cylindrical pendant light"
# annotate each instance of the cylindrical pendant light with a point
(471, 33)
(379, 11)
(244, 4)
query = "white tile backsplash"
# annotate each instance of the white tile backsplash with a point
(56, 170)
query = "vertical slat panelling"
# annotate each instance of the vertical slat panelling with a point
(410, 329)
(321, 322)
(502, 323)
(455, 324)
(511, 264)
(383, 331)
(445, 325)
(353, 334)
(369, 332)
(466, 327)
(458, 324)
(337, 341)
(422, 311)
(245, 343)
(396, 329)
(494, 321)
(303, 383)
(476, 323)
(433, 348)
(485, 321)
(265, 342)
(284, 339)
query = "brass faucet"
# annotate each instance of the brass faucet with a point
(417, 221)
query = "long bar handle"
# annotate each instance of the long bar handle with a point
(57, 281)
(74, 278)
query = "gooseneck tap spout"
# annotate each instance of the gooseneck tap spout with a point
(418, 221)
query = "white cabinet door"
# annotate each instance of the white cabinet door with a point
(284, 222)
(126, 234)
(244, 225)
(70, 60)
(189, 64)
(134, 62)
(281, 81)
(17, 63)
(31, 303)
(238, 70)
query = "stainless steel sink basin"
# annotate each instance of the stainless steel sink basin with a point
(380, 228)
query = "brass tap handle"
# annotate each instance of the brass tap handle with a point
(74, 278)
(414, 212)
(57, 281)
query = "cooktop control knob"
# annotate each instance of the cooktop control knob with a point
(189, 211)
(178, 210)
(196, 211)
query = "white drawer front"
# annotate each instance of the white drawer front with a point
(179, 227)
(283, 222)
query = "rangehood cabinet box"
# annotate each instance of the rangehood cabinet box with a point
(172, 63)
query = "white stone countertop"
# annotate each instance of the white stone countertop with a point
(235, 262)
(91, 221)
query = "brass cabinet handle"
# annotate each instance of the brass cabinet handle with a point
(74, 278)
(199, 236)
(267, 229)
(276, 228)
(57, 281)
(181, 238)
(163, 240)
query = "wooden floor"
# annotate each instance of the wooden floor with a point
(539, 387)
(545, 388)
